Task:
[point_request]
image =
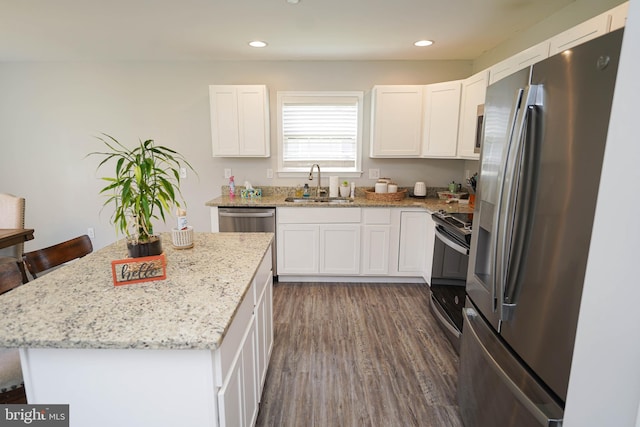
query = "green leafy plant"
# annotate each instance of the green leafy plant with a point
(145, 187)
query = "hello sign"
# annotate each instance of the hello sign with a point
(136, 270)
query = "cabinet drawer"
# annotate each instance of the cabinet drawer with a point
(231, 344)
(326, 215)
(376, 216)
(263, 273)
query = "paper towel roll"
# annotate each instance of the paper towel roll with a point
(334, 183)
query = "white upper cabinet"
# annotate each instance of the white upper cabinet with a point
(519, 61)
(474, 90)
(239, 120)
(441, 114)
(579, 34)
(396, 121)
(618, 16)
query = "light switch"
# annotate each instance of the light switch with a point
(227, 173)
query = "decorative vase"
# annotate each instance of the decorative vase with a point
(182, 239)
(142, 249)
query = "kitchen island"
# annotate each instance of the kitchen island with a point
(188, 350)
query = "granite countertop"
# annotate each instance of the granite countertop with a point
(77, 306)
(277, 200)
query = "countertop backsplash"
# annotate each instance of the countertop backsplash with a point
(286, 191)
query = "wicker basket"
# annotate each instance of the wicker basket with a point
(182, 239)
(386, 197)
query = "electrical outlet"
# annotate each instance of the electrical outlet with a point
(91, 232)
(374, 173)
(270, 173)
(227, 173)
(183, 172)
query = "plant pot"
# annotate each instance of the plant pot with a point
(142, 249)
(344, 191)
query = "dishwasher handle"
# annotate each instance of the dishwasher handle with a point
(246, 215)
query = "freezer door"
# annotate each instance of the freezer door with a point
(548, 274)
(494, 389)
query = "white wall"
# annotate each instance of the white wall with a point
(50, 113)
(604, 387)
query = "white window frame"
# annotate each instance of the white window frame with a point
(283, 96)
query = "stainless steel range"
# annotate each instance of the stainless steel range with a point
(449, 273)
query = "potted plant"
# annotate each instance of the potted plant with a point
(146, 185)
(344, 189)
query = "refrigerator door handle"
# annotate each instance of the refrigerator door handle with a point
(513, 181)
(523, 214)
(497, 235)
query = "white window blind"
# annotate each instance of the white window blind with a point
(321, 128)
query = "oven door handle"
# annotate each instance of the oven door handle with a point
(453, 245)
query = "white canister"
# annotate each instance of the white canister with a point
(392, 188)
(381, 187)
(420, 189)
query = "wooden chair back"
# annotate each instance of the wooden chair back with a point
(53, 256)
(12, 216)
(10, 276)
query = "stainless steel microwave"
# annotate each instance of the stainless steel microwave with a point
(479, 121)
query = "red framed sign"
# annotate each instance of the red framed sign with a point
(135, 270)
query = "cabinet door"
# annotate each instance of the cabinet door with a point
(224, 120)
(239, 120)
(429, 246)
(579, 34)
(297, 248)
(249, 377)
(413, 230)
(474, 90)
(396, 121)
(442, 111)
(519, 61)
(253, 121)
(340, 249)
(230, 398)
(264, 333)
(375, 249)
(618, 16)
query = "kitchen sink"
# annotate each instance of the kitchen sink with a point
(330, 200)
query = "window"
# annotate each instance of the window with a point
(320, 127)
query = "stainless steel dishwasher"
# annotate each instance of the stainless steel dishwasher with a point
(247, 220)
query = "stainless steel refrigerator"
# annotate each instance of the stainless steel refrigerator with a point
(545, 129)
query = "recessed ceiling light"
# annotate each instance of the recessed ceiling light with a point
(257, 43)
(293, 1)
(422, 43)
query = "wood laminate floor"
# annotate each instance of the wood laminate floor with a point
(358, 355)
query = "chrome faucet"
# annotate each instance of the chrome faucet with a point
(318, 191)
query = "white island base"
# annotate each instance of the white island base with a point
(124, 387)
(202, 363)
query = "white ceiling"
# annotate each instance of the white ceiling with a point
(68, 30)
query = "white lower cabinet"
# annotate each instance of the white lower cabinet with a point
(351, 242)
(264, 332)
(298, 248)
(319, 249)
(323, 241)
(242, 360)
(430, 240)
(376, 241)
(238, 396)
(339, 249)
(413, 242)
